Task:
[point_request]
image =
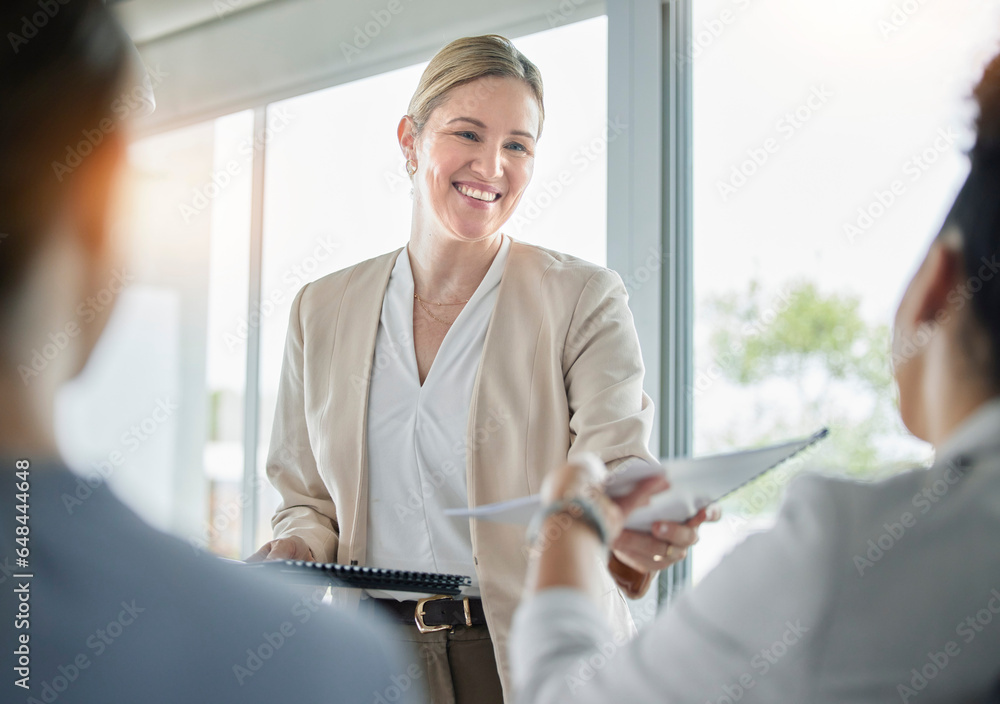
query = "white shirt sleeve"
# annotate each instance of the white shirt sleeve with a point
(747, 633)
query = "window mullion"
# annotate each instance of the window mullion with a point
(251, 396)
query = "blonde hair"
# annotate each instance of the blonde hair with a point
(465, 60)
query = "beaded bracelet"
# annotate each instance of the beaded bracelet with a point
(579, 509)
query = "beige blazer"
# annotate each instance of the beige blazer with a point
(561, 374)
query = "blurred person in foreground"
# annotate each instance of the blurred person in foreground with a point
(861, 592)
(97, 606)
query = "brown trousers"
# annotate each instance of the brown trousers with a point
(456, 667)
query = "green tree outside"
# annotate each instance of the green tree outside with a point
(818, 349)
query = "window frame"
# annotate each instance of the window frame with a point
(650, 205)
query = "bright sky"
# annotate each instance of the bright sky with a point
(887, 93)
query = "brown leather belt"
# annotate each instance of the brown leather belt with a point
(435, 613)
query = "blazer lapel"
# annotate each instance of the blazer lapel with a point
(503, 383)
(350, 376)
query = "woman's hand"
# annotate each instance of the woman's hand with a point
(668, 543)
(635, 555)
(293, 548)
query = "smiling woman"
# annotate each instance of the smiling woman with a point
(458, 370)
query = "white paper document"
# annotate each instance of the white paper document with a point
(694, 484)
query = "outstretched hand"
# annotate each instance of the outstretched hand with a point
(666, 545)
(293, 548)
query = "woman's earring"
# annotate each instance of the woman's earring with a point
(411, 167)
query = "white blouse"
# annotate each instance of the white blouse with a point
(417, 434)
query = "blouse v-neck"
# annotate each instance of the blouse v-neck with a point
(472, 319)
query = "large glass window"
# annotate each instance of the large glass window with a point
(168, 377)
(827, 147)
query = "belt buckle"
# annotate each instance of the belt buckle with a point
(418, 615)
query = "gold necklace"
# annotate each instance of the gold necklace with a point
(427, 310)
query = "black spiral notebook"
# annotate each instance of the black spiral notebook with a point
(357, 577)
